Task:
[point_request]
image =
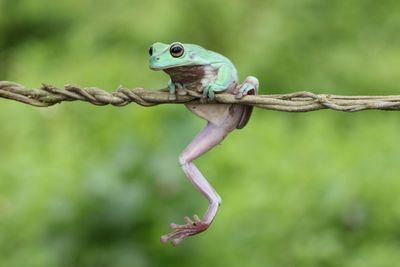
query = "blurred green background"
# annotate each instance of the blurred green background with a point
(82, 185)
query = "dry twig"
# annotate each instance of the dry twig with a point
(49, 95)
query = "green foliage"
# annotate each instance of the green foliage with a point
(96, 186)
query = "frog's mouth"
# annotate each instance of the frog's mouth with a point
(194, 70)
(154, 66)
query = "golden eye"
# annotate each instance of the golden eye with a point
(151, 50)
(176, 50)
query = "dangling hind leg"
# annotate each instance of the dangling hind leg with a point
(209, 137)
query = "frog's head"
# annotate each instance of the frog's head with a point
(165, 56)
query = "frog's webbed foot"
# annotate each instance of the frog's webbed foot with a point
(250, 84)
(180, 232)
(208, 94)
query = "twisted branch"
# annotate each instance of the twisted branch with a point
(49, 95)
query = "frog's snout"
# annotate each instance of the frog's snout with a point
(154, 62)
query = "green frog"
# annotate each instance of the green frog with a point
(192, 67)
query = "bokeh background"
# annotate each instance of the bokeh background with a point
(82, 185)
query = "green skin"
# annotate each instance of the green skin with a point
(218, 72)
(192, 68)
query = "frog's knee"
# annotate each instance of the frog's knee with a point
(182, 159)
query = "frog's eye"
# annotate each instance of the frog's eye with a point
(176, 50)
(151, 50)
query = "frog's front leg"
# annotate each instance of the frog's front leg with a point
(211, 136)
(225, 77)
(175, 88)
(172, 90)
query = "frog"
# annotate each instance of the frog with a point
(192, 67)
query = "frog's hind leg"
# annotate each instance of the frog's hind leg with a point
(249, 87)
(209, 137)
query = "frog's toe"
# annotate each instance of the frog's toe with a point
(180, 232)
(172, 97)
(211, 95)
(244, 89)
(181, 90)
(208, 95)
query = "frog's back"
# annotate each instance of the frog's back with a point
(209, 56)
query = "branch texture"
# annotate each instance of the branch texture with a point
(48, 95)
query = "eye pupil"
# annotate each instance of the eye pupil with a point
(151, 51)
(176, 50)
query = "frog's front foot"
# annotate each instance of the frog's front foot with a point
(250, 84)
(180, 89)
(211, 89)
(180, 232)
(171, 97)
(208, 94)
(174, 89)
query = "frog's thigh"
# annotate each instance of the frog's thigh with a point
(224, 79)
(214, 113)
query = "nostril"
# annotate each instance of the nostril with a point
(157, 58)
